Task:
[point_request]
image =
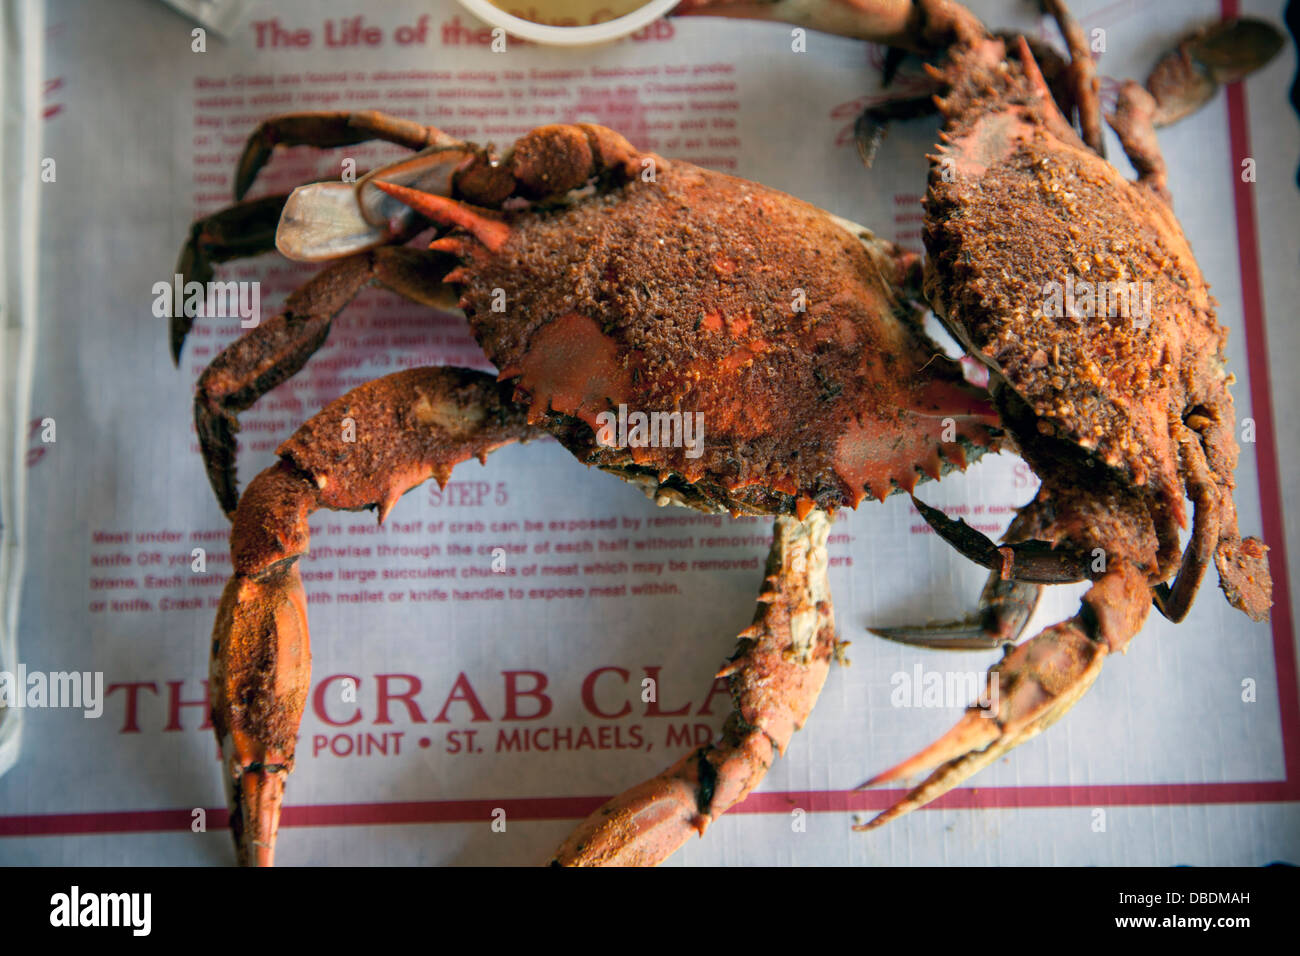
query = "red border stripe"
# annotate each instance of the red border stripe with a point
(572, 808)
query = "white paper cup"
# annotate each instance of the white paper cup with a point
(570, 36)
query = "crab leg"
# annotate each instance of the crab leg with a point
(328, 129)
(1005, 607)
(775, 676)
(244, 229)
(1030, 561)
(408, 427)
(1033, 687)
(920, 26)
(1174, 601)
(871, 126)
(1133, 122)
(1242, 564)
(1082, 75)
(273, 351)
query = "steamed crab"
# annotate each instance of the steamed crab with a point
(595, 275)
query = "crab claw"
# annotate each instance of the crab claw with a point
(1029, 561)
(779, 668)
(1033, 687)
(261, 676)
(1004, 609)
(410, 426)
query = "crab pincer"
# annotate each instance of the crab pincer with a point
(405, 428)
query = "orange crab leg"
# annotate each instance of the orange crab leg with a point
(1033, 687)
(775, 675)
(405, 428)
(1083, 75)
(921, 26)
(326, 130)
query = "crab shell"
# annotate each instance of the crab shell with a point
(784, 331)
